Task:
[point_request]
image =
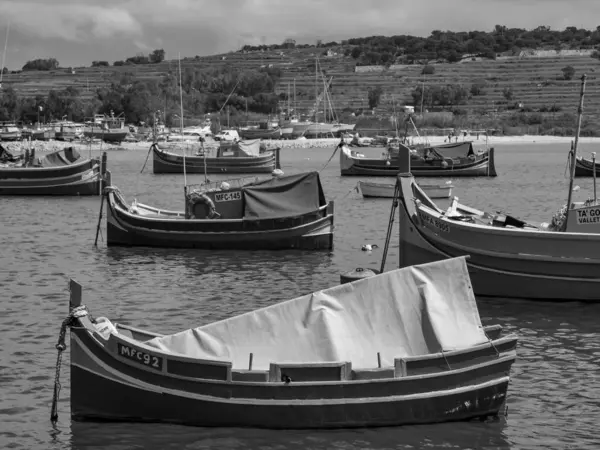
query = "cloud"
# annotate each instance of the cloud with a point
(69, 21)
(83, 30)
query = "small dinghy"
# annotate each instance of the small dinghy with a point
(369, 189)
(403, 347)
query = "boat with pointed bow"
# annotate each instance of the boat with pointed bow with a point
(381, 351)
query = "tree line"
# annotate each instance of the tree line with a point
(205, 90)
(450, 46)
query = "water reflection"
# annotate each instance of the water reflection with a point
(464, 435)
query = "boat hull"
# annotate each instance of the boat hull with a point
(63, 174)
(483, 166)
(527, 265)
(106, 136)
(273, 133)
(166, 162)
(106, 388)
(379, 190)
(10, 136)
(82, 185)
(585, 168)
(312, 231)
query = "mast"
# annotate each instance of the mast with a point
(295, 106)
(316, 88)
(574, 151)
(288, 99)
(181, 123)
(422, 97)
(4, 54)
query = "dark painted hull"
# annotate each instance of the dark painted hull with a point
(10, 136)
(585, 168)
(27, 174)
(109, 388)
(64, 174)
(166, 162)
(312, 231)
(106, 136)
(274, 133)
(483, 166)
(87, 186)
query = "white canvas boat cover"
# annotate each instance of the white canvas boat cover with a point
(406, 312)
(249, 147)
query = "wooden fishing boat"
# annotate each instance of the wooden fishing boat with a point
(448, 160)
(380, 190)
(68, 131)
(240, 157)
(260, 133)
(40, 134)
(112, 135)
(585, 167)
(10, 132)
(382, 351)
(63, 172)
(107, 128)
(287, 212)
(509, 257)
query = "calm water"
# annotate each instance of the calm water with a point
(554, 397)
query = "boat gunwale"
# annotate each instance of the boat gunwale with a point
(119, 205)
(103, 345)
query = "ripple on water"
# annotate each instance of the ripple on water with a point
(553, 398)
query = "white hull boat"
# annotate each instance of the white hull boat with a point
(384, 190)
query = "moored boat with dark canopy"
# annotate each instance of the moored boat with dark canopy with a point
(403, 347)
(236, 157)
(63, 172)
(447, 160)
(285, 212)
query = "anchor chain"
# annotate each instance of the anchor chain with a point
(61, 346)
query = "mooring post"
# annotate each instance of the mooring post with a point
(379, 360)
(250, 361)
(103, 163)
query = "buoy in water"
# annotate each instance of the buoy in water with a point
(357, 274)
(368, 247)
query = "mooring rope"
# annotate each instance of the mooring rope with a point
(332, 155)
(61, 346)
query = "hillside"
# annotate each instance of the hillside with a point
(533, 78)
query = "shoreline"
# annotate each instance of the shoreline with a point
(52, 145)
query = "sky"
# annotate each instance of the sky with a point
(77, 32)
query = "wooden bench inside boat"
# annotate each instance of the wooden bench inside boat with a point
(324, 371)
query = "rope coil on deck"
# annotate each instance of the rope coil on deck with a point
(61, 346)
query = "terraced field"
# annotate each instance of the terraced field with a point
(536, 82)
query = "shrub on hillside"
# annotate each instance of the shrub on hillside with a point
(428, 70)
(568, 72)
(41, 64)
(477, 89)
(374, 97)
(99, 63)
(119, 63)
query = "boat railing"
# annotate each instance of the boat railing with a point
(222, 185)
